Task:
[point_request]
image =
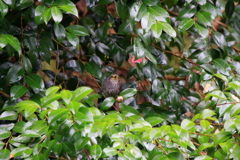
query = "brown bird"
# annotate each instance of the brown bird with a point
(111, 86)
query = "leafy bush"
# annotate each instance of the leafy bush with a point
(179, 59)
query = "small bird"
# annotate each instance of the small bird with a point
(111, 86)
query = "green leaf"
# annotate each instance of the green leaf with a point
(8, 115)
(4, 133)
(224, 78)
(222, 66)
(77, 30)
(186, 12)
(133, 11)
(96, 151)
(110, 151)
(155, 133)
(219, 39)
(17, 91)
(66, 96)
(122, 9)
(3, 8)
(204, 18)
(204, 124)
(221, 137)
(56, 14)
(156, 30)
(202, 30)
(167, 28)
(52, 90)
(147, 21)
(101, 31)
(13, 41)
(38, 14)
(127, 93)
(29, 107)
(81, 142)
(69, 9)
(154, 120)
(49, 99)
(4, 153)
(187, 124)
(229, 8)
(80, 93)
(73, 39)
(201, 2)
(21, 151)
(100, 10)
(229, 125)
(125, 28)
(236, 86)
(150, 2)
(38, 156)
(56, 114)
(59, 32)
(26, 64)
(150, 56)
(204, 146)
(34, 81)
(135, 151)
(185, 24)
(14, 74)
(107, 103)
(46, 15)
(30, 133)
(158, 13)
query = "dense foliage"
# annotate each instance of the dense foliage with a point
(179, 61)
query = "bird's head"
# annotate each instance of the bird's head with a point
(114, 78)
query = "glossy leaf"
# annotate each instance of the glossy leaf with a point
(107, 103)
(185, 24)
(13, 42)
(18, 91)
(95, 151)
(204, 18)
(56, 114)
(80, 93)
(56, 14)
(77, 30)
(69, 9)
(34, 81)
(3, 9)
(222, 66)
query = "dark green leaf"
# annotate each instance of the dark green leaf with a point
(122, 9)
(26, 64)
(185, 24)
(229, 8)
(14, 74)
(77, 30)
(186, 12)
(99, 9)
(34, 81)
(13, 42)
(8, 115)
(222, 66)
(204, 18)
(59, 31)
(17, 91)
(3, 9)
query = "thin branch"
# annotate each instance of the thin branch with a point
(5, 94)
